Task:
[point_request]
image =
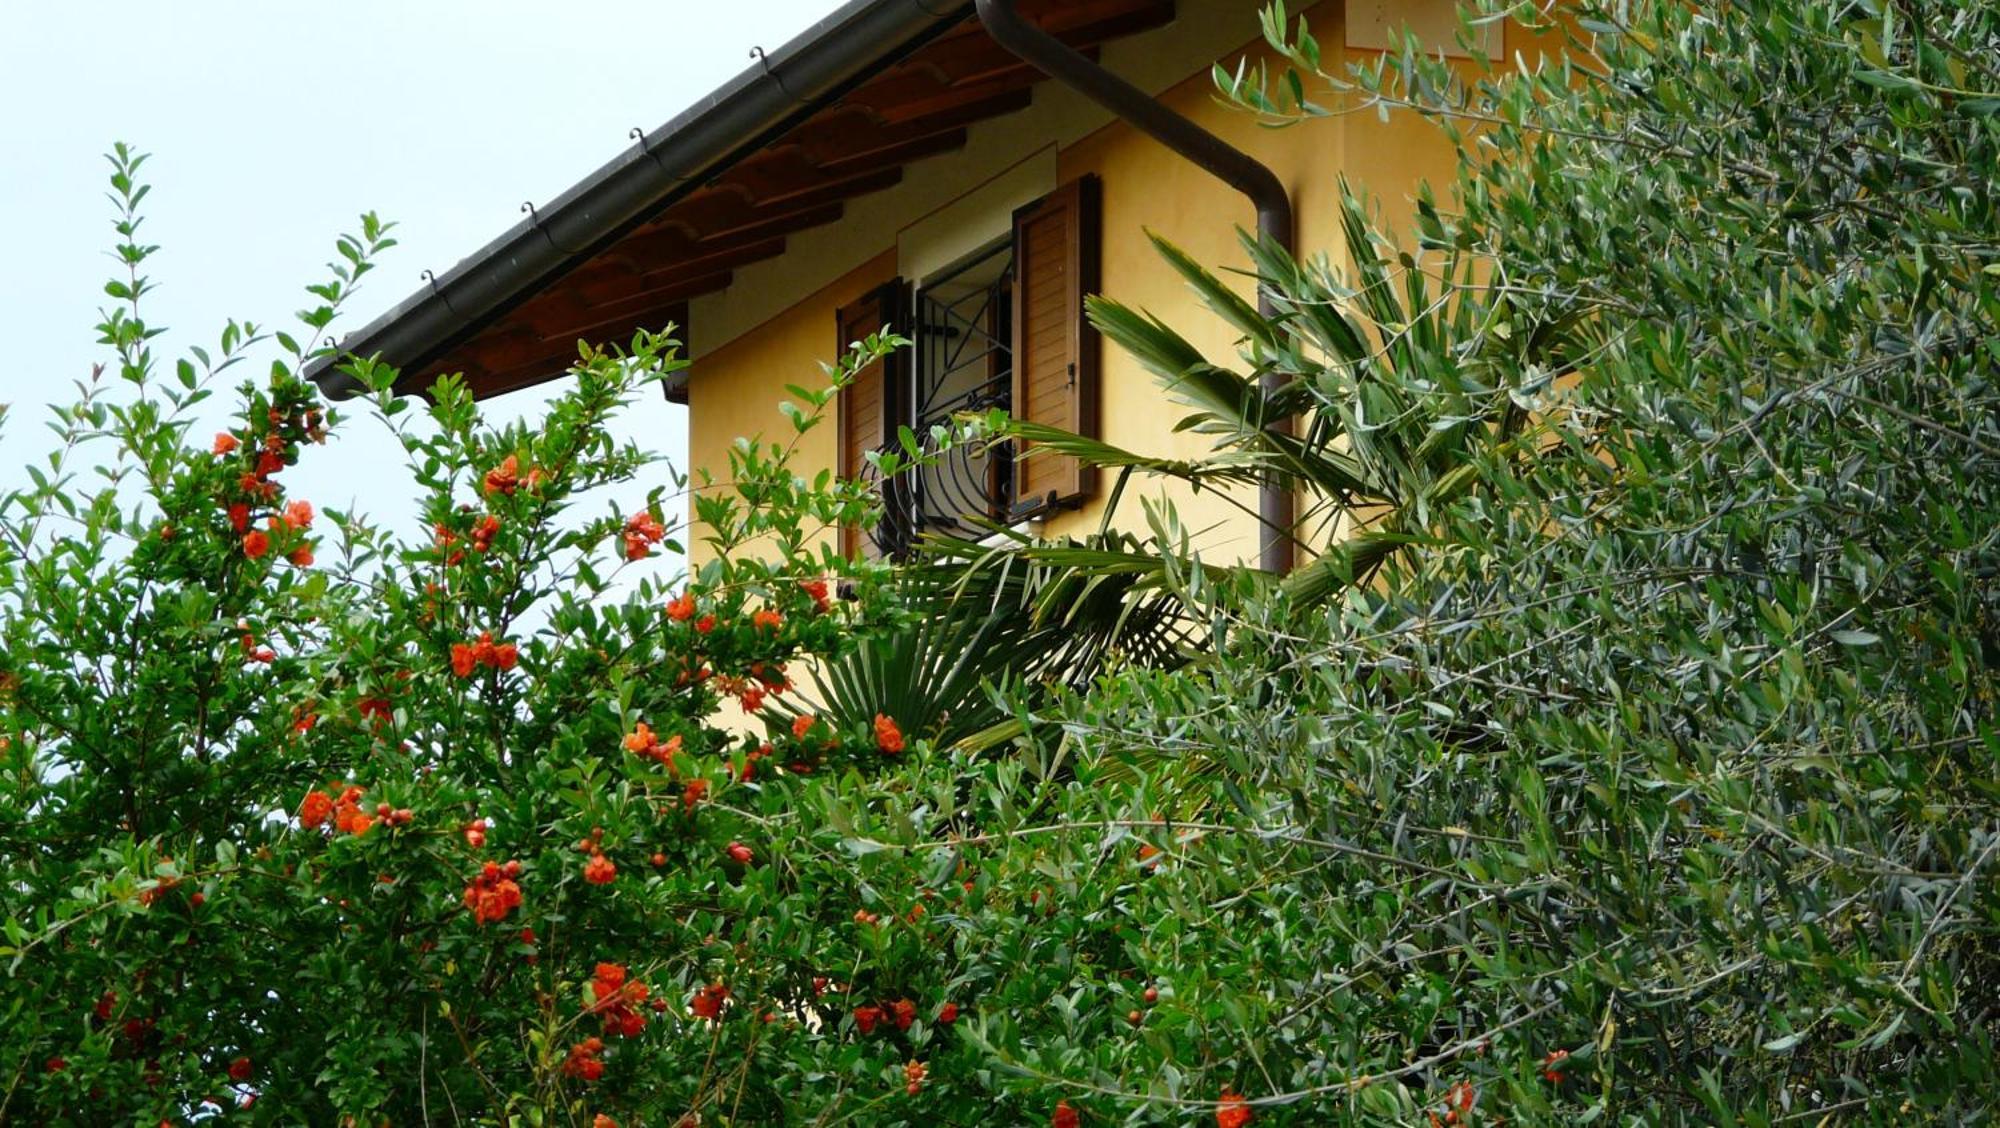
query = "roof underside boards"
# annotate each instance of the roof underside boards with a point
(908, 105)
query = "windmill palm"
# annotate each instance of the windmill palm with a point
(1400, 380)
(1397, 381)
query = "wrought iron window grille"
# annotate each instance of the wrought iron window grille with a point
(961, 363)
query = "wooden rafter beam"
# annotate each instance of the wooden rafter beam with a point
(700, 260)
(620, 318)
(919, 107)
(651, 250)
(723, 211)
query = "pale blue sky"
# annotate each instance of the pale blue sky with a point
(273, 125)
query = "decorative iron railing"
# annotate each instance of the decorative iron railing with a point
(963, 363)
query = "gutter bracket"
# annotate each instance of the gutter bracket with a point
(764, 61)
(427, 276)
(637, 135)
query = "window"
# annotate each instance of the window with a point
(867, 407)
(1003, 327)
(1055, 349)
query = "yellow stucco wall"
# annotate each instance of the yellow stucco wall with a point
(735, 389)
(735, 385)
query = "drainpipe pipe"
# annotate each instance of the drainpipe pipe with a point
(1210, 153)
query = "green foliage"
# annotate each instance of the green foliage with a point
(306, 810)
(1392, 391)
(1656, 782)
(1627, 748)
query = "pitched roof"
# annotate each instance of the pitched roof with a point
(833, 114)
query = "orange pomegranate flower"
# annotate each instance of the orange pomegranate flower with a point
(1232, 1111)
(643, 741)
(225, 442)
(616, 999)
(484, 532)
(767, 618)
(707, 1002)
(256, 543)
(468, 656)
(583, 1061)
(642, 531)
(494, 893)
(681, 608)
(817, 590)
(1064, 1116)
(317, 806)
(504, 478)
(888, 737)
(599, 870)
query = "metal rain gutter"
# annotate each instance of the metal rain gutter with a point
(1210, 153)
(796, 79)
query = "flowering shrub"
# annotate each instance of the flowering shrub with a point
(307, 820)
(304, 819)
(272, 769)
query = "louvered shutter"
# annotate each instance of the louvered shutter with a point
(1054, 349)
(866, 415)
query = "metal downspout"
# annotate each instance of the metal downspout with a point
(1210, 153)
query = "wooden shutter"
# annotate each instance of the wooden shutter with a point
(866, 416)
(1056, 241)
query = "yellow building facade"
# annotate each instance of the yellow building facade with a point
(776, 324)
(901, 164)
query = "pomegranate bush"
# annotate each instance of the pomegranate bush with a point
(306, 819)
(309, 817)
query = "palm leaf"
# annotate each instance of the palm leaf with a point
(1217, 295)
